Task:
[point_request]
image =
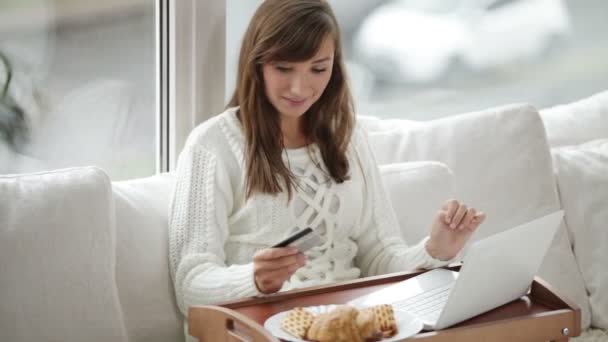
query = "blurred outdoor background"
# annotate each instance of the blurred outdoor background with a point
(82, 87)
(424, 59)
(84, 76)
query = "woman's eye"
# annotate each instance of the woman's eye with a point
(281, 68)
(318, 71)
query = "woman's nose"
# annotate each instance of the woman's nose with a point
(297, 84)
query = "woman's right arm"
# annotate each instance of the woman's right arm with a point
(198, 229)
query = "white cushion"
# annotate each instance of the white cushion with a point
(57, 244)
(499, 157)
(582, 175)
(376, 124)
(417, 190)
(578, 122)
(502, 165)
(142, 267)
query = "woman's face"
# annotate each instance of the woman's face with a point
(292, 87)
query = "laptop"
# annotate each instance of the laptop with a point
(496, 270)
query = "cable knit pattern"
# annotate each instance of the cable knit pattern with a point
(214, 231)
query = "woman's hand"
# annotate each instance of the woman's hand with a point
(273, 266)
(453, 225)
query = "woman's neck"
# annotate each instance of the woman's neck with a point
(293, 136)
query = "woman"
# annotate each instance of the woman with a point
(286, 155)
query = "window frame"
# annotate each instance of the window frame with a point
(191, 35)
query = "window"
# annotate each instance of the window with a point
(421, 59)
(83, 86)
(425, 59)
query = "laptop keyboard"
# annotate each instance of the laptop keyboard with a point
(427, 305)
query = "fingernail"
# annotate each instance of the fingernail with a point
(453, 225)
(461, 226)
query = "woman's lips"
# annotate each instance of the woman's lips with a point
(294, 102)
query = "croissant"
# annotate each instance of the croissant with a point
(338, 325)
(368, 326)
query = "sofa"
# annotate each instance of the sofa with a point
(86, 259)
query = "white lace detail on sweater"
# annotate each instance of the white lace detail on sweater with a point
(316, 204)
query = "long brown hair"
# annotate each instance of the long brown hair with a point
(291, 31)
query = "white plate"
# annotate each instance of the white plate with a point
(407, 323)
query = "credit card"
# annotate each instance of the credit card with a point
(303, 240)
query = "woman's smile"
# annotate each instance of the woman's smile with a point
(294, 102)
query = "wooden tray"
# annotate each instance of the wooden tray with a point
(542, 315)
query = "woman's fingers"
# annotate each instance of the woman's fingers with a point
(479, 217)
(283, 262)
(458, 216)
(274, 253)
(450, 207)
(273, 266)
(272, 281)
(467, 219)
(280, 275)
(477, 220)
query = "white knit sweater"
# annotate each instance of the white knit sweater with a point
(214, 231)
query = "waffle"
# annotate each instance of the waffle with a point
(297, 322)
(385, 316)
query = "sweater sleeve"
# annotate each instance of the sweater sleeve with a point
(198, 230)
(381, 247)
